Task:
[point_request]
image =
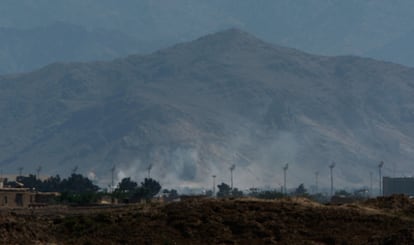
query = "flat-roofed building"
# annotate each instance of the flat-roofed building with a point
(16, 197)
(401, 185)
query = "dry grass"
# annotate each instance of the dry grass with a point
(214, 221)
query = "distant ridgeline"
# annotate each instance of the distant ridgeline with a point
(196, 108)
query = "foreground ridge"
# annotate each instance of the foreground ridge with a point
(216, 221)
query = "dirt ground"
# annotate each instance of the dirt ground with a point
(215, 221)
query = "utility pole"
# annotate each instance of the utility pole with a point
(316, 181)
(38, 169)
(231, 175)
(370, 184)
(331, 170)
(112, 183)
(380, 177)
(75, 169)
(285, 168)
(149, 171)
(214, 185)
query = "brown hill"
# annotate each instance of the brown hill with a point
(209, 221)
(195, 108)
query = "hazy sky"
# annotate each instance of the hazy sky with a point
(34, 33)
(377, 28)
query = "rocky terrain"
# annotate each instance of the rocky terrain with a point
(208, 221)
(194, 109)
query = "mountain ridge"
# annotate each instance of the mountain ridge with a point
(377, 29)
(197, 107)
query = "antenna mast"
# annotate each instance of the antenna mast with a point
(112, 183)
(75, 169)
(331, 171)
(20, 171)
(285, 168)
(214, 185)
(231, 175)
(38, 169)
(380, 176)
(149, 171)
(370, 183)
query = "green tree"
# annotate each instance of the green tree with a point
(301, 191)
(170, 194)
(52, 184)
(148, 189)
(77, 183)
(30, 181)
(127, 185)
(209, 193)
(78, 189)
(268, 194)
(224, 190)
(343, 193)
(126, 189)
(151, 187)
(79, 198)
(236, 193)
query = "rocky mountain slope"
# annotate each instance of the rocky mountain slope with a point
(194, 109)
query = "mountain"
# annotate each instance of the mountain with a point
(195, 108)
(29, 49)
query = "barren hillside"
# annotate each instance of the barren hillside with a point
(194, 109)
(208, 221)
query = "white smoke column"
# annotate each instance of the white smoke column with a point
(92, 176)
(180, 167)
(130, 171)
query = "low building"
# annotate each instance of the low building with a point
(402, 185)
(107, 199)
(16, 197)
(44, 198)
